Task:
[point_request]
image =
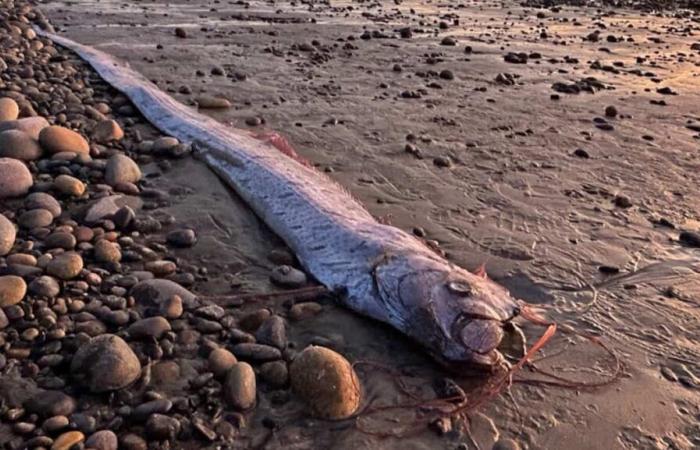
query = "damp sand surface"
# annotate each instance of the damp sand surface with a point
(573, 209)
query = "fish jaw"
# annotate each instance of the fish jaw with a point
(458, 316)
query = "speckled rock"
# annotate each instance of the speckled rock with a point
(65, 266)
(106, 363)
(8, 234)
(15, 178)
(326, 381)
(12, 290)
(121, 169)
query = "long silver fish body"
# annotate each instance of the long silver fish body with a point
(377, 270)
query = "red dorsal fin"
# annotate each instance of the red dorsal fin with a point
(481, 271)
(281, 144)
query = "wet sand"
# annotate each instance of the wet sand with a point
(550, 223)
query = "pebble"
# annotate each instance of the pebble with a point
(107, 131)
(160, 268)
(107, 252)
(272, 332)
(103, 208)
(256, 352)
(12, 290)
(209, 102)
(164, 143)
(160, 427)
(182, 238)
(275, 373)
(132, 441)
(42, 200)
(9, 109)
(151, 327)
(121, 169)
(35, 218)
(158, 406)
(220, 361)
(69, 186)
(157, 291)
(304, 310)
(50, 404)
(55, 423)
(15, 178)
(65, 266)
(180, 32)
(8, 233)
(103, 440)
(326, 381)
(288, 276)
(106, 363)
(689, 238)
(171, 308)
(60, 239)
(45, 286)
(240, 386)
(67, 440)
(18, 144)
(30, 125)
(57, 139)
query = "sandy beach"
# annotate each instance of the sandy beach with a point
(558, 146)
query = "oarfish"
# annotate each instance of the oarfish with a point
(376, 269)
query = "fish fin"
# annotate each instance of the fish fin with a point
(281, 144)
(481, 271)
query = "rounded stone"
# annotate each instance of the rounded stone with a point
(12, 290)
(220, 361)
(288, 276)
(182, 238)
(60, 239)
(106, 363)
(160, 427)
(275, 373)
(156, 291)
(18, 144)
(9, 109)
(151, 327)
(8, 233)
(240, 386)
(67, 440)
(68, 185)
(57, 139)
(107, 131)
(45, 286)
(326, 381)
(30, 125)
(132, 441)
(15, 178)
(42, 200)
(102, 440)
(171, 308)
(107, 252)
(35, 218)
(51, 403)
(65, 266)
(121, 169)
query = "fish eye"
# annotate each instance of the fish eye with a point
(459, 287)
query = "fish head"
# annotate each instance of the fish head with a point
(458, 315)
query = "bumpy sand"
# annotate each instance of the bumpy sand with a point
(516, 196)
